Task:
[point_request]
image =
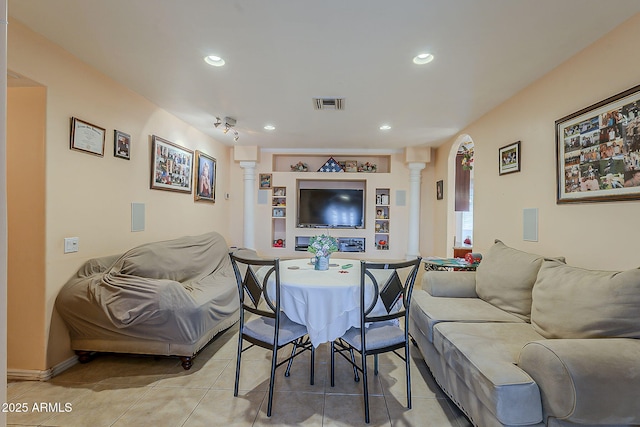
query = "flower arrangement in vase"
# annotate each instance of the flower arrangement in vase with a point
(368, 167)
(322, 247)
(299, 167)
(467, 158)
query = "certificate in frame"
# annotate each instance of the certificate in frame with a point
(598, 151)
(171, 166)
(87, 137)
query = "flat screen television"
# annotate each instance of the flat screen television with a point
(331, 208)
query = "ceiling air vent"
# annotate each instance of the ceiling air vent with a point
(328, 103)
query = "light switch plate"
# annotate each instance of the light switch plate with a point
(71, 244)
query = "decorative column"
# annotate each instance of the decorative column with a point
(248, 238)
(413, 240)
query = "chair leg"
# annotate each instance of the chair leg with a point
(313, 363)
(235, 387)
(293, 351)
(365, 386)
(333, 361)
(356, 377)
(407, 359)
(375, 364)
(274, 362)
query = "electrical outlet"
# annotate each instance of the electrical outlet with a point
(71, 244)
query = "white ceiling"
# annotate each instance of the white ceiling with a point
(281, 53)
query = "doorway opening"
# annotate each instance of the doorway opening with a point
(460, 204)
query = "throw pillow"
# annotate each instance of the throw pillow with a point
(505, 278)
(571, 302)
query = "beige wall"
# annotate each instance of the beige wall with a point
(88, 196)
(26, 109)
(3, 211)
(596, 235)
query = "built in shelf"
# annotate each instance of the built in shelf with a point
(284, 162)
(345, 244)
(279, 217)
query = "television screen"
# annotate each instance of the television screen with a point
(324, 207)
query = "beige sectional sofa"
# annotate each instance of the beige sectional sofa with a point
(529, 341)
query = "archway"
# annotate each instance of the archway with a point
(459, 221)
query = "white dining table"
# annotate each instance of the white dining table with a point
(326, 302)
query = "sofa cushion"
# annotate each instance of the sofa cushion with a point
(428, 311)
(586, 381)
(505, 278)
(483, 356)
(572, 302)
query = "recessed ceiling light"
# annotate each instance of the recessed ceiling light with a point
(269, 127)
(423, 58)
(216, 61)
(385, 127)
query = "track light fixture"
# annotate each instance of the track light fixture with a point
(229, 123)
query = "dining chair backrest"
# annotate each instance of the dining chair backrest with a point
(252, 276)
(394, 293)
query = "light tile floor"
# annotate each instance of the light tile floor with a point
(119, 390)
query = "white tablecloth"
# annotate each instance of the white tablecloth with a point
(327, 302)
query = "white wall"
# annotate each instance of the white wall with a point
(593, 235)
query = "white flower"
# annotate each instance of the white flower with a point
(323, 245)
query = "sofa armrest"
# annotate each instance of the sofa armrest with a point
(453, 284)
(586, 381)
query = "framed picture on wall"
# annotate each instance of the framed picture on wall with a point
(509, 158)
(440, 190)
(87, 137)
(121, 145)
(265, 181)
(171, 166)
(598, 151)
(205, 181)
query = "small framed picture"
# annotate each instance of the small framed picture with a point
(265, 181)
(87, 137)
(351, 166)
(509, 158)
(121, 145)
(440, 190)
(205, 181)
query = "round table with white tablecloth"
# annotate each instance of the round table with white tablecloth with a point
(327, 302)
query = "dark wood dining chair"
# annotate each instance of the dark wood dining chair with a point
(268, 326)
(383, 331)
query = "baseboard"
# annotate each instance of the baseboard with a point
(39, 375)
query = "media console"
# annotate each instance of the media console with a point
(345, 244)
